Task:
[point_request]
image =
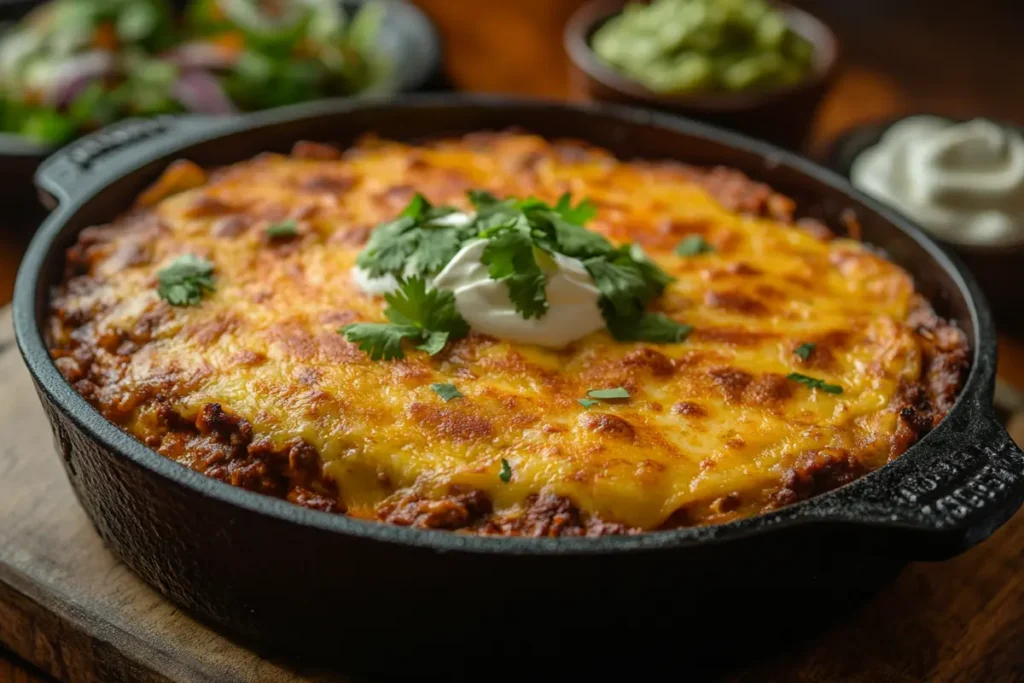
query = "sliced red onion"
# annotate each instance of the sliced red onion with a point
(202, 55)
(70, 77)
(200, 93)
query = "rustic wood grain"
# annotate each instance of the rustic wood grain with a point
(68, 607)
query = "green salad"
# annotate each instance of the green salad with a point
(682, 46)
(72, 66)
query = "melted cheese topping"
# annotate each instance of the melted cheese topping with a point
(712, 426)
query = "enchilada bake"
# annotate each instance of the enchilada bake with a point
(500, 334)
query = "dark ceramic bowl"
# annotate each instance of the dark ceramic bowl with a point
(287, 577)
(408, 39)
(999, 269)
(782, 115)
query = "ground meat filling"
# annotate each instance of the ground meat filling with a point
(221, 446)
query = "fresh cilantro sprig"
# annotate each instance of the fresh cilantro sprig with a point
(184, 282)
(628, 282)
(523, 237)
(486, 204)
(815, 383)
(579, 214)
(521, 232)
(419, 243)
(422, 315)
(511, 256)
(380, 341)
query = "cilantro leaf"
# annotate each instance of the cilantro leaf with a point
(628, 281)
(493, 219)
(427, 316)
(579, 214)
(419, 243)
(651, 327)
(390, 245)
(506, 471)
(528, 294)
(432, 310)
(434, 252)
(416, 207)
(282, 229)
(587, 402)
(805, 350)
(815, 383)
(658, 278)
(446, 391)
(184, 281)
(381, 341)
(624, 289)
(433, 342)
(694, 245)
(510, 257)
(605, 394)
(509, 252)
(578, 242)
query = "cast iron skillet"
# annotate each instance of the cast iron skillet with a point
(281, 576)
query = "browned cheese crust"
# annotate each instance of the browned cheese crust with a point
(255, 387)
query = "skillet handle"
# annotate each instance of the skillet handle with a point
(941, 500)
(105, 154)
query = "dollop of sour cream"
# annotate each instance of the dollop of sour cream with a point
(573, 310)
(963, 182)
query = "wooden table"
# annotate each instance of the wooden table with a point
(961, 620)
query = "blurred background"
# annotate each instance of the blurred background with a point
(895, 57)
(824, 77)
(821, 76)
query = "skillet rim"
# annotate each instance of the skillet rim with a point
(30, 294)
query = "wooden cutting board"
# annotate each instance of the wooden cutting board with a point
(70, 608)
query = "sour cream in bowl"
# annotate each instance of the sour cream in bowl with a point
(963, 182)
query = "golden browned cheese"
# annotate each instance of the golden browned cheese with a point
(256, 387)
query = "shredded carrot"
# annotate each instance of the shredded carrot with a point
(105, 37)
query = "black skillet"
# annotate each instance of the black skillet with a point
(387, 597)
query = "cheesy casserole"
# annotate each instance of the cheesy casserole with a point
(255, 386)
